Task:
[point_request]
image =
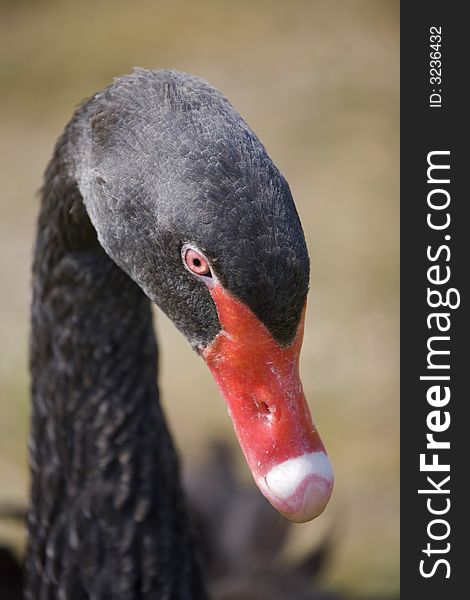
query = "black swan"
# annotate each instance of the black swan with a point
(158, 190)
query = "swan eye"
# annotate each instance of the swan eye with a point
(196, 263)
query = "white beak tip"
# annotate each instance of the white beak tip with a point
(299, 487)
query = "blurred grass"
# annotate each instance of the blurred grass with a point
(318, 82)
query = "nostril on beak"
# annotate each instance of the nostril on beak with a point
(266, 410)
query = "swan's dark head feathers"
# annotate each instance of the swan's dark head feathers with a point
(168, 161)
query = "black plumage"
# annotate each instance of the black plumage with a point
(156, 160)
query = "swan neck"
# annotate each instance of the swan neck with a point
(107, 510)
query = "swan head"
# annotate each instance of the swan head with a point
(185, 199)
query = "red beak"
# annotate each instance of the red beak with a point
(259, 380)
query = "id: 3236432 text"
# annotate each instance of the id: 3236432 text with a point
(435, 67)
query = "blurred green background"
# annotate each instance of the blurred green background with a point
(318, 83)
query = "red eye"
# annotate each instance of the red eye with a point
(196, 263)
